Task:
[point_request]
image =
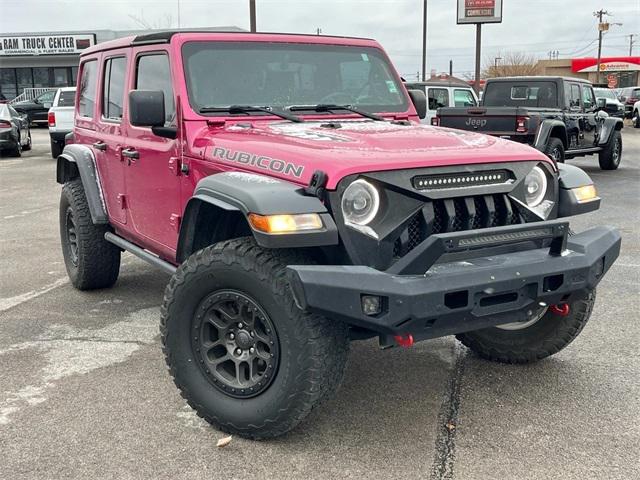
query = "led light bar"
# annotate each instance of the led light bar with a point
(460, 180)
(505, 237)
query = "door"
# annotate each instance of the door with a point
(588, 124)
(108, 138)
(152, 181)
(573, 114)
(436, 98)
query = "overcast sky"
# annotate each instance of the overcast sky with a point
(532, 26)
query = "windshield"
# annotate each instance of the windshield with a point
(605, 93)
(520, 94)
(220, 74)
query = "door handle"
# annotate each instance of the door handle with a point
(100, 146)
(130, 153)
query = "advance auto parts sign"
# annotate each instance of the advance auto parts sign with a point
(45, 44)
(479, 11)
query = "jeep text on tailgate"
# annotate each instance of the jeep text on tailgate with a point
(285, 183)
(559, 116)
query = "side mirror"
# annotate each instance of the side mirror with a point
(146, 109)
(623, 98)
(601, 103)
(35, 100)
(419, 100)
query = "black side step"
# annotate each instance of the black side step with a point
(140, 253)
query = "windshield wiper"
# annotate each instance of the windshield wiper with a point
(251, 108)
(328, 107)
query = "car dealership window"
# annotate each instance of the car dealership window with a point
(88, 84)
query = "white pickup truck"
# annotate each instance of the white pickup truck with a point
(60, 118)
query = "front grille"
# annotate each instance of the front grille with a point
(455, 215)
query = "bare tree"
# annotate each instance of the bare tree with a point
(158, 24)
(510, 64)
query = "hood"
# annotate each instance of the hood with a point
(293, 151)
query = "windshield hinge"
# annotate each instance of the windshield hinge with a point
(316, 184)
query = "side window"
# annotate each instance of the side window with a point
(574, 96)
(438, 97)
(463, 98)
(47, 97)
(153, 73)
(113, 87)
(87, 87)
(588, 98)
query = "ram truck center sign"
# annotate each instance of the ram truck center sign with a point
(45, 44)
(479, 11)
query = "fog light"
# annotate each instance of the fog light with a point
(585, 193)
(371, 304)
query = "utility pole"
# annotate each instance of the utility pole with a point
(424, 40)
(451, 68)
(602, 27)
(318, 31)
(631, 42)
(252, 15)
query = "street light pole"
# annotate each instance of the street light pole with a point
(424, 40)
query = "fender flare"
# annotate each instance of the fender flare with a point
(609, 125)
(238, 194)
(79, 160)
(570, 177)
(544, 132)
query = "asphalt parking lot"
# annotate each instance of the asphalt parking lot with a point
(84, 392)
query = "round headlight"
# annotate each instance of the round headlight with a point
(360, 202)
(535, 187)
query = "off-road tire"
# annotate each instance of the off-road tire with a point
(97, 262)
(554, 149)
(312, 349)
(544, 338)
(56, 149)
(607, 156)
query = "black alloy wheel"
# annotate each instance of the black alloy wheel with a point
(235, 343)
(72, 237)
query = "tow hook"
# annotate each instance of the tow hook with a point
(405, 340)
(561, 309)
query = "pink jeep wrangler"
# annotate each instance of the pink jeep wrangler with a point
(285, 183)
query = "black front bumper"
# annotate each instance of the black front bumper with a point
(474, 279)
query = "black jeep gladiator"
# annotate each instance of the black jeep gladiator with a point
(558, 116)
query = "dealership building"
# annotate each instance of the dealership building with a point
(616, 72)
(50, 59)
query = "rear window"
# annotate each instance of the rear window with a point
(516, 94)
(67, 98)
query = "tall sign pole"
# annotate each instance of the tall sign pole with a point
(424, 40)
(252, 15)
(476, 84)
(478, 12)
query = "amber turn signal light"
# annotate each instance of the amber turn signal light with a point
(285, 223)
(585, 193)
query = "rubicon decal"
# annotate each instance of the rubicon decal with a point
(260, 161)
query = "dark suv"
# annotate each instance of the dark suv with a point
(286, 185)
